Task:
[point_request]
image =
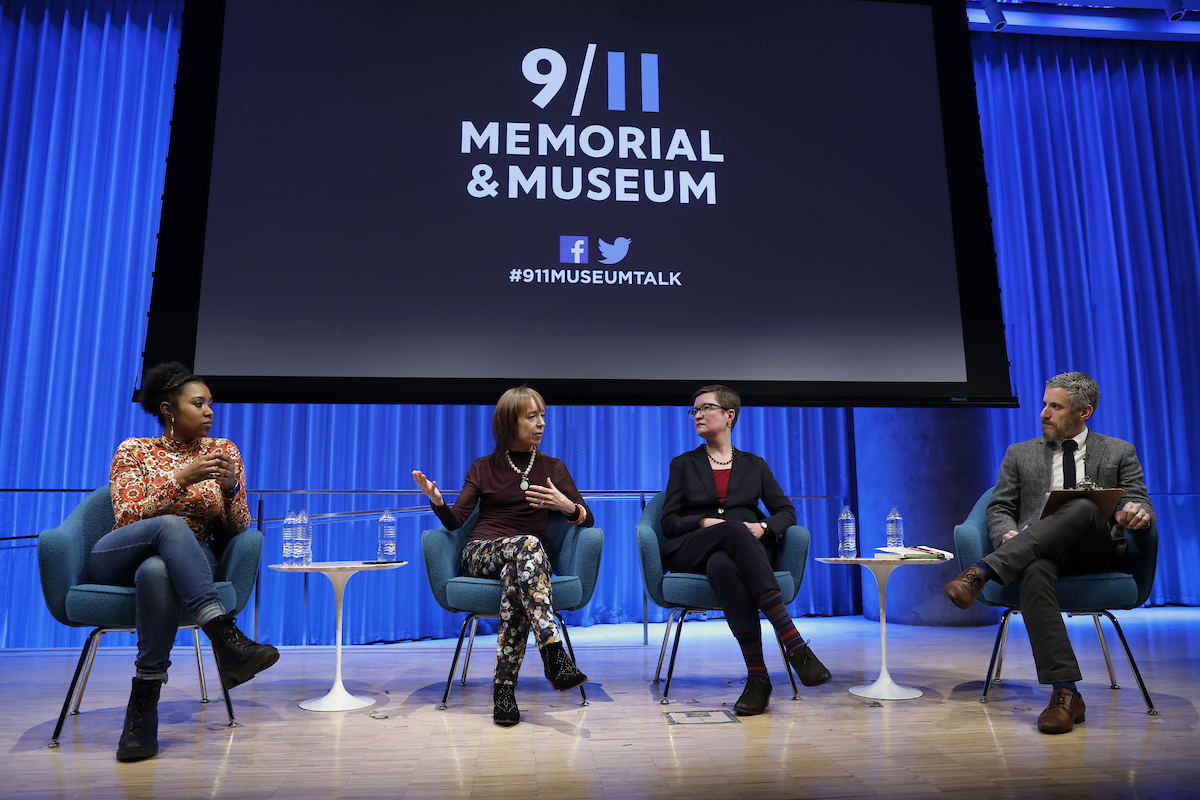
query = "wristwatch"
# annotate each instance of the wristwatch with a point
(232, 492)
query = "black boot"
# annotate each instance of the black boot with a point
(755, 697)
(811, 671)
(504, 705)
(560, 669)
(139, 739)
(238, 658)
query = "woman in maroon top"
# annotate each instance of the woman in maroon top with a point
(515, 488)
(713, 526)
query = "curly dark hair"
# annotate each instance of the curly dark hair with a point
(163, 384)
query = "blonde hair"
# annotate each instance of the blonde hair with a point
(509, 410)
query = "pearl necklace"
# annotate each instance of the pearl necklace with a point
(524, 475)
(710, 457)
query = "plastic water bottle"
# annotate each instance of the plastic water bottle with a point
(895, 528)
(303, 539)
(289, 539)
(847, 534)
(387, 537)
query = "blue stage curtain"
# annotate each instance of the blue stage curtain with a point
(84, 110)
(86, 90)
(607, 449)
(1092, 151)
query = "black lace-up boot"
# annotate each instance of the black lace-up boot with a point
(139, 739)
(238, 658)
(755, 697)
(811, 671)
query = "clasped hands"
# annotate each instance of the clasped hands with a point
(212, 467)
(544, 497)
(756, 528)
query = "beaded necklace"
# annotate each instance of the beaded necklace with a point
(524, 475)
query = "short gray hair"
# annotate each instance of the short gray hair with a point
(1082, 390)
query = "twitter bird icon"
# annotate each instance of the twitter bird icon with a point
(616, 251)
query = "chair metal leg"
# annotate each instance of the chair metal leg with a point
(450, 678)
(89, 647)
(470, 648)
(997, 649)
(645, 618)
(666, 635)
(233, 723)
(200, 667)
(1132, 664)
(674, 652)
(87, 668)
(788, 668)
(1112, 676)
(1003, 650)
(562, 626)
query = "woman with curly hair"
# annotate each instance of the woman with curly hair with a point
(177, 498)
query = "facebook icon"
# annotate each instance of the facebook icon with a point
(572, 249)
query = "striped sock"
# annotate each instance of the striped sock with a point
(753, 655)
(772, 607)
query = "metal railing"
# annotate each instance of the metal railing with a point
(257, 500)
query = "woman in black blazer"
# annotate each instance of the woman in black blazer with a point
(713, 526)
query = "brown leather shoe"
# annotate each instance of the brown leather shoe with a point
(1066, 708)
(963, 590)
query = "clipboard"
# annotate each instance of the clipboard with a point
(1105, 499)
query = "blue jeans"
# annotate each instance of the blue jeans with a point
(170, 569)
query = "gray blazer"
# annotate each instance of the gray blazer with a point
(1024, 480)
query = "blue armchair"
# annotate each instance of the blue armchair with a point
(685, 593)
(74, 601)
(1078, 595)
(574, 555)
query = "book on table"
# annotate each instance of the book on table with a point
(919, 551)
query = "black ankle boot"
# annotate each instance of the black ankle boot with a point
(560, 669)
(504, 705)
(139, 739)
(811, 671)
(755, 697)
(238, 658)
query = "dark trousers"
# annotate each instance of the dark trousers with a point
(170, 569)
(1074, 540)
(738, 566)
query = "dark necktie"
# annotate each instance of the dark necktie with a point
(1069, 481)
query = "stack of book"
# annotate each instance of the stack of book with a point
(920, 551)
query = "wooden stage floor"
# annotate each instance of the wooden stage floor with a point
(829, 744)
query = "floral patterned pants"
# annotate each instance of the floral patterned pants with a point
(521, 564)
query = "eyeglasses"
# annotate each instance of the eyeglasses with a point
(704, 409)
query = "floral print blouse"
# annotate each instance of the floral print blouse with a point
(143, 485)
